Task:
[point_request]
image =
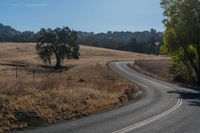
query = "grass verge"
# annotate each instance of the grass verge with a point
(159, 68)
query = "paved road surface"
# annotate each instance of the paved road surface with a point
(162, 108)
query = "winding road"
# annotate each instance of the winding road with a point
(162, 108)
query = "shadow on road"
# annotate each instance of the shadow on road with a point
(191, 95)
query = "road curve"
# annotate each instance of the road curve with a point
(162, 108)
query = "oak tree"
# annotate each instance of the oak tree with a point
(60, 42)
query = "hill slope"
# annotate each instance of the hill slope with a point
(31, 93)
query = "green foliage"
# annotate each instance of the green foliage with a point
(145, 41)
(164, 49)
(182, 36)
(181, 68)
(58, 42)
(142, 42)
(8, 34)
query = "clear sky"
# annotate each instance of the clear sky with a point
(82, 15)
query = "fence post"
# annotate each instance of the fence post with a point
(33, 75)
(48, 76)
(16, 73)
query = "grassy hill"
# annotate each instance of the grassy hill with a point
(32, 93)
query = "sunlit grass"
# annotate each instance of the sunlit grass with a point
(31, 91)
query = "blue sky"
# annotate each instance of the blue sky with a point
(83, 15)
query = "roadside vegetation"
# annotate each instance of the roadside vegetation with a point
(160, 69)
(182, 38)
(181, 43)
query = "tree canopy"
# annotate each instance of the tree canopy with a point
(60, 42)
(182, 36)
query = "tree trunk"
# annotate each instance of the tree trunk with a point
(58, 61)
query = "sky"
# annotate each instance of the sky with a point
(82, 15)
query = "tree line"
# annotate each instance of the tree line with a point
(148, 42)
(9, 34)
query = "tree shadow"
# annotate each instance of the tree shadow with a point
(27, 67)
(192, 95)
(14, 64)
(47, 69)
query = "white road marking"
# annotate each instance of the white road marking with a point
(144, 79)
(150, 120)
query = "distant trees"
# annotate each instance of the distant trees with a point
(154, 46)
(141, 42)
(134, 46)
(182, 36)
(8, 34)
(60, 42)
(130, 41)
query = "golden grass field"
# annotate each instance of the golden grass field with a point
(30, 92)
(159, 69)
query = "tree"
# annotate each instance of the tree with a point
(58, 42)
(182, 34)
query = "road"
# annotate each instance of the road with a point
(162, 108)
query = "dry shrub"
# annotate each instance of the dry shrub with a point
(28, 102)
(48, 84)
(156, 68)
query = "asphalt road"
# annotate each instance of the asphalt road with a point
(162, 108)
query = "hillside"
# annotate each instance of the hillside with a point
(9, 34)
(31, 92)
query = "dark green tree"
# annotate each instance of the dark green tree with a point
(58, 42)
(182, 34)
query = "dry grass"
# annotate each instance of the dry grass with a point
(156, 68)
(84, 87)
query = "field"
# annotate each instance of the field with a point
(159, 69)
(32, 93)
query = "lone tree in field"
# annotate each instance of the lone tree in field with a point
(58, 42)
(182, 36)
